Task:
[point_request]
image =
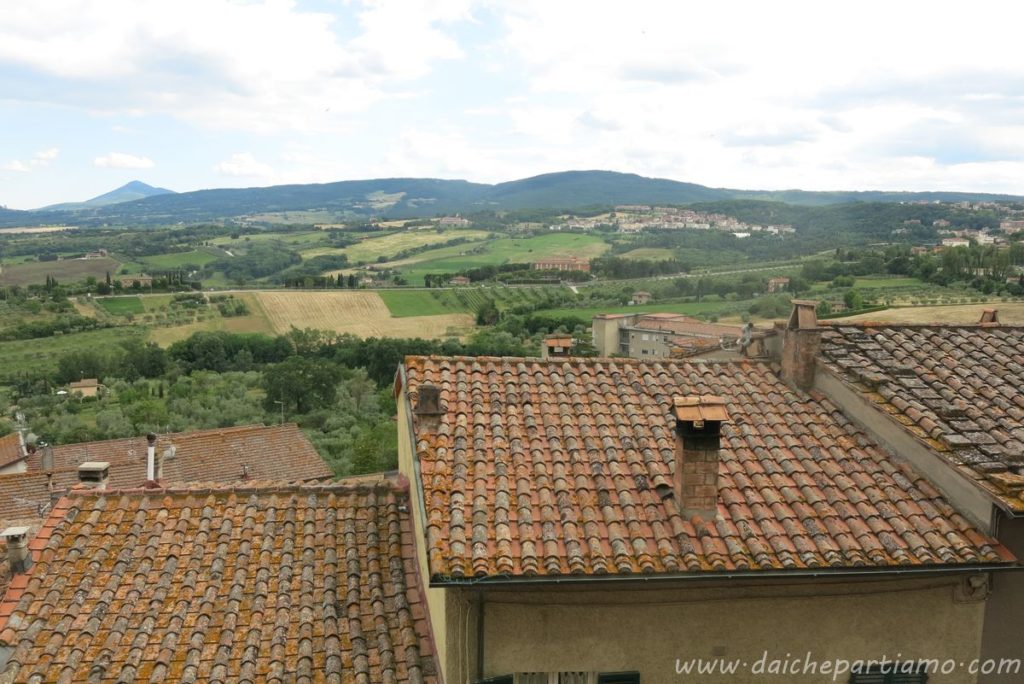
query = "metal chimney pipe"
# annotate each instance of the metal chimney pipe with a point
(151, 457)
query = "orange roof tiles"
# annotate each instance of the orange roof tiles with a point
(286, 583)
(960, 389)
(275, 452)
(10, 449)
(556, 468)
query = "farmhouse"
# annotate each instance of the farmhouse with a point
(569, 264)
(140, 280)
(459, 281)
(454, 221)
(710, 505)
(778, 284)
(640, 298)
(86, 387)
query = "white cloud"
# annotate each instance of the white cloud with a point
(244, 164)
(120, 160)
(39, 159)
(263, 66)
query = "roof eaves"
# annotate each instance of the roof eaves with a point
(1010, 564)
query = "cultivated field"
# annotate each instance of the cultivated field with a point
(650, 253)
(196, 257)
(388, 245)
(359, 313)
(36, 229)
(1009, 312)
(121, 305)
(66, 271)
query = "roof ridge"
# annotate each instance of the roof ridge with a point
(177, 489)
(591, 359)
(835, 323)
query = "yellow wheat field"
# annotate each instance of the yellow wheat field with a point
(359, 313)
(1009, 312)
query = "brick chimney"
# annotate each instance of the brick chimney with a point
(428, 410)
(698, 447)
(801, 340)
(94, 474)
(18, 556)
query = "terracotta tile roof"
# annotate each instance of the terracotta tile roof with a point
(287, 583)
(10, 449)
(960, 389)
(276, 452)
(555, 468)
(27, 495)
(685, 325)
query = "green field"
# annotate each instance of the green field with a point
(302, 238)
(372, 248)
(503, 251)
(196, 257)
(43, 353)
(710, 305)
(402, 303)
(649, 253)
(121, 305)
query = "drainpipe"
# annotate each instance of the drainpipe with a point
(480, 636)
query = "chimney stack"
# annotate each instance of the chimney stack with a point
(47, 458)
(18, 556)
(153, 467)
(428, 409)
(989, 317)
(698, 438)
(94, 474)
(801, 340)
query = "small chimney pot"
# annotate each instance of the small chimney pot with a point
(94, 474)
(18, 556)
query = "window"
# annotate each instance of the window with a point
(645, 337)
(894, 673)
(619, 678)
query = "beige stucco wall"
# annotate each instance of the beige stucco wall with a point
(648, 630)
(437, 599)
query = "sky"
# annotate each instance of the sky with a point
(192, 94)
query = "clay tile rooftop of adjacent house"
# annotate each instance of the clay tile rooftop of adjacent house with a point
(275, 452)
(550, 469)
(12, 449)
(957, 388)
(253, 583)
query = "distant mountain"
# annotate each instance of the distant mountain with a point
(134, 190)
(419, 197)
(574, 189)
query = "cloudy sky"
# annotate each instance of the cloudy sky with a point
(191, 94)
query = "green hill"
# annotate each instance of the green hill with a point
(424, 197)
